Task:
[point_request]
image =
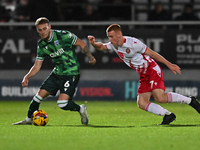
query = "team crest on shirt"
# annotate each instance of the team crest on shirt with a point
(128, 50)
(56, 43)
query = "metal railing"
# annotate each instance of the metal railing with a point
(80, 25)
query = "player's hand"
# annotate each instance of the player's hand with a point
(175, 68)
(24, 82)
(91, 39)
(92, 61)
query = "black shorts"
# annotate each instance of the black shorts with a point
(65, 83)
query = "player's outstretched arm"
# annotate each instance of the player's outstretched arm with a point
(97, 45)
(86, 50)
(173, 67)
(32, 72)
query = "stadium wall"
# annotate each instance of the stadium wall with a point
(110, 78)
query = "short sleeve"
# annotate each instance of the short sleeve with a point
(40, 54)
(139, 46)
(109, 46)
(69, 37)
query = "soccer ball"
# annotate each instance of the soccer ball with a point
(40, 118)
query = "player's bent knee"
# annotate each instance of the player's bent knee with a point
(141, 105)
(161, 99)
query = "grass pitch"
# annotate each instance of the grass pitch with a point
(112, 126)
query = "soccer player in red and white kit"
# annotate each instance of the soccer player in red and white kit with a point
(141, 58)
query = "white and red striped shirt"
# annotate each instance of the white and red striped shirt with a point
(132, 53)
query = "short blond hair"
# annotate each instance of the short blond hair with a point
(41, 20)
(114, 27)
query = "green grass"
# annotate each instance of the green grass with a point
(112, 126)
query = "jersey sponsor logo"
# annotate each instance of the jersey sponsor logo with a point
(128, 50)
(55, 54)
(56, 43)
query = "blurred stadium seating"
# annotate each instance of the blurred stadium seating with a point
(121, 10)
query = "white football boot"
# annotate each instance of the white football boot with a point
(83, 114)
(27, 121)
